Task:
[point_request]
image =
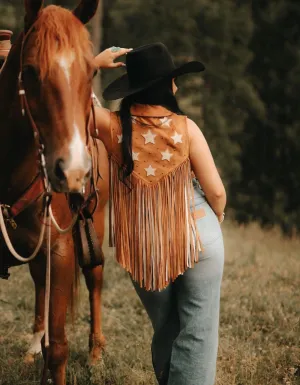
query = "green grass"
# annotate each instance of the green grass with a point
(259, 332)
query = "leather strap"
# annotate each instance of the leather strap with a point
(32, 193)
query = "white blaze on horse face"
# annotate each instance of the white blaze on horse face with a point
(78, 155)
(65, 61)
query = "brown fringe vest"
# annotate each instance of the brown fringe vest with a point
(151, 225)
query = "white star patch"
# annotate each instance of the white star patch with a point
(177, 138)
(166, 155)
(149, 137)
(150, 170)
(120, 138)
(165, 122)
(135, 155)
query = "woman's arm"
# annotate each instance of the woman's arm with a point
(101, 128)
(205, 170)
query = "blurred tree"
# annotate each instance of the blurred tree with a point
(11, 16)
(223, 34)
(269, 189)
(96, 33)
(70, 4)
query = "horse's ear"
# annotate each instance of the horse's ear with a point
(86, 10)
(32, 9)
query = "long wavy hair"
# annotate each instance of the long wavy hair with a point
(160, 94)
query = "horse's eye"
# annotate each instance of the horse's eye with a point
(29, 70)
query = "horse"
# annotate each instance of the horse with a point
(93, 279)
(46, 157)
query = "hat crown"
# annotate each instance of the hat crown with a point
(147, 63)
(146, 66)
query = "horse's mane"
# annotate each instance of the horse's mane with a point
(58, 30)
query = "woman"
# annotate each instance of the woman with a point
(165, 228)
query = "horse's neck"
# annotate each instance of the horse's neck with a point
(17, 151)
(18, 160)
(9, 78)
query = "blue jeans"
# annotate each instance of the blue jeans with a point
(185, 315)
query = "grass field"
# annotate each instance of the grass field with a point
(259, 332)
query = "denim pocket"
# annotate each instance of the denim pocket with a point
(207, 223)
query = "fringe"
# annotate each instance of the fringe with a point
(152, 226)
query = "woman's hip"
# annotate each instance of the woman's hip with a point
(207, 223)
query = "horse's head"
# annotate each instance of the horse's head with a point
(57, 71)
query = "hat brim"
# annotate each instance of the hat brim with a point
(120, 88)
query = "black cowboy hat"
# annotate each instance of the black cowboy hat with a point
(146, 66)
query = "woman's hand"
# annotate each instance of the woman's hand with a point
(106, 58)
(221, 218)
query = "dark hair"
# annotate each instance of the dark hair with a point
(160, 94)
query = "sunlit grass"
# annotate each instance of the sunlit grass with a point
(259, 333)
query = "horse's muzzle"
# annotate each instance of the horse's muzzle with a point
(68, 179)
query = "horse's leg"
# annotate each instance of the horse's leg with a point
(36, 271)
(94, 280)
(94, 277)
(62, 277)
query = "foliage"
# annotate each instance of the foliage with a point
(11, 16)
(245, 102)
(271, 148)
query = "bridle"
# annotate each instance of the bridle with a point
(25, 109)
